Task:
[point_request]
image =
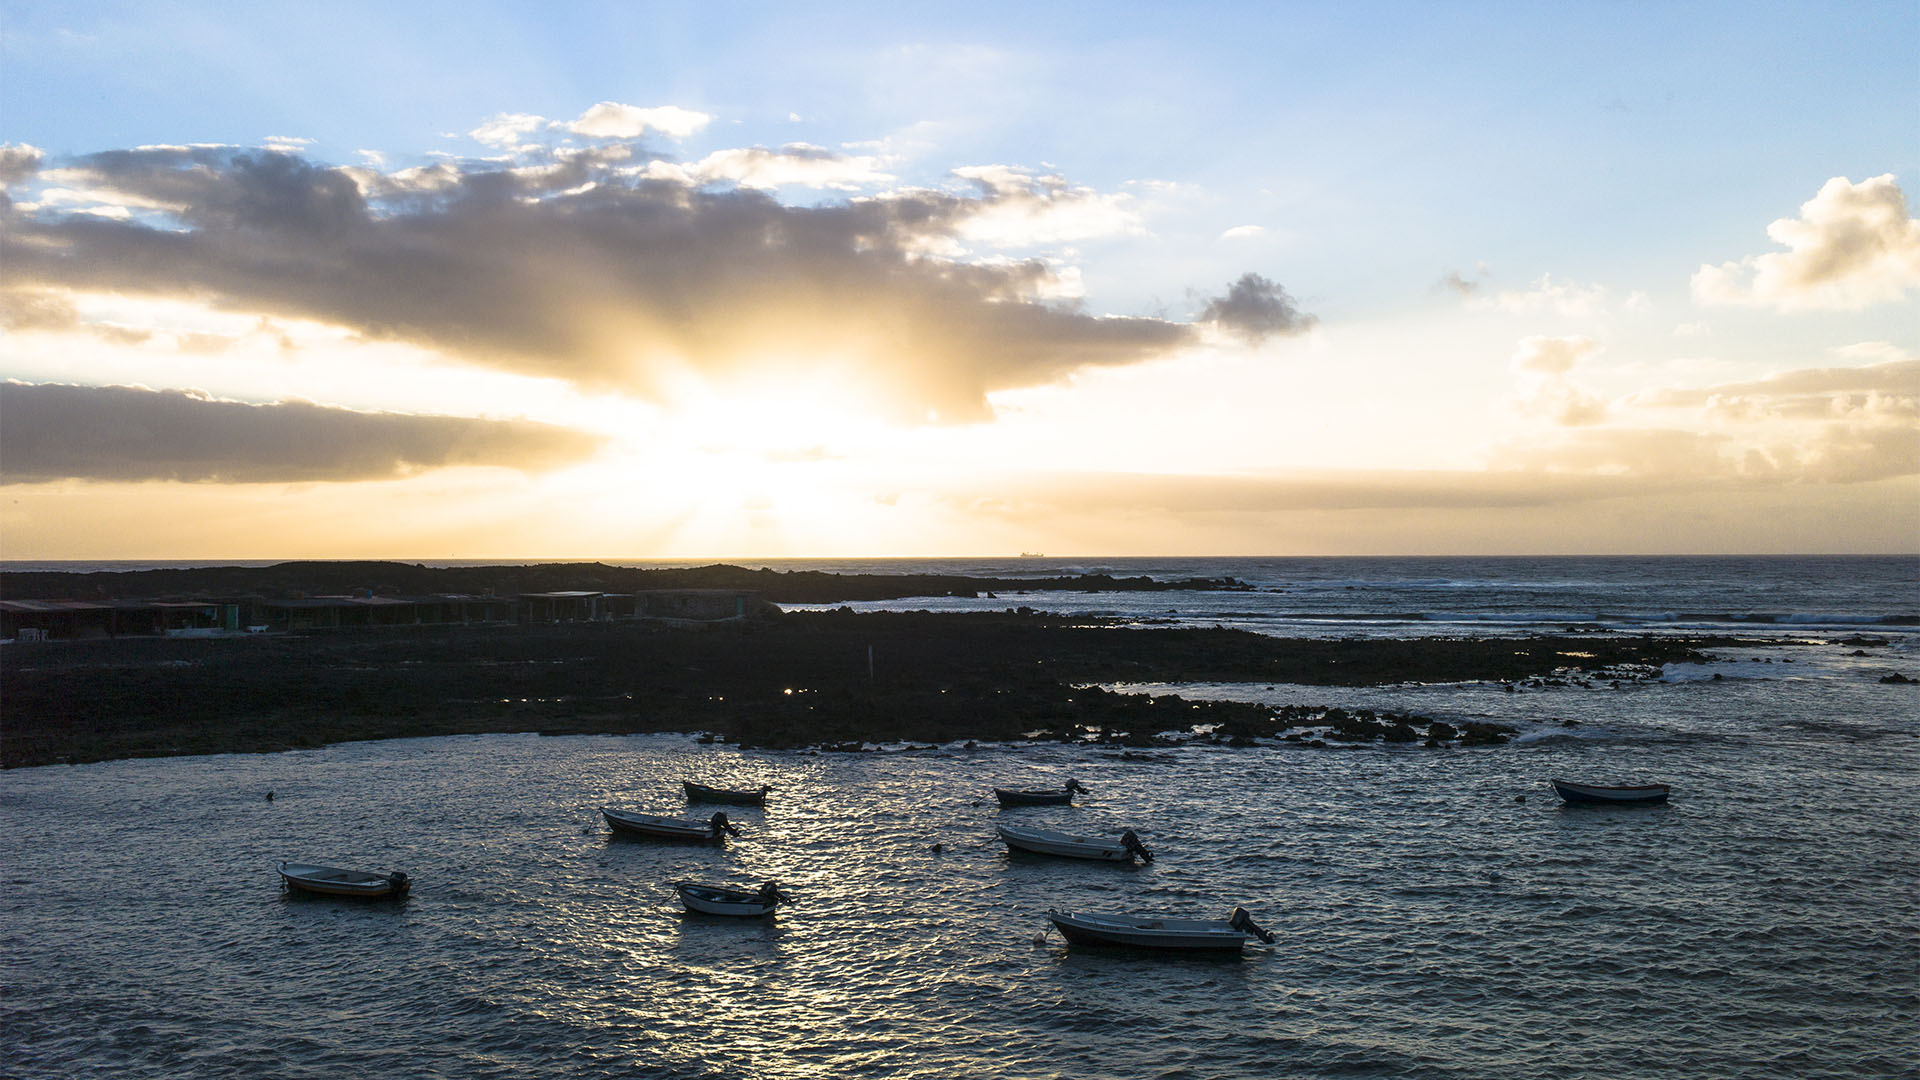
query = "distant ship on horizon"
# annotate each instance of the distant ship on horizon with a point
(1032, 555)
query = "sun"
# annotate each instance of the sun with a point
(768, 467)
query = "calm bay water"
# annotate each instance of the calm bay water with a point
(1429, 922)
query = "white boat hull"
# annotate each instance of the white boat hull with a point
(721, 900)
(334, 881)
(1064, 845)
(1008, 797)
(1595, 795)
(725, 796)
(1148, 933)
(655, 827)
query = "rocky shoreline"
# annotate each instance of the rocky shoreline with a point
(824, 680)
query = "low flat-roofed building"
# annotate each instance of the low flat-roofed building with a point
(331, 612)
(563, 606)
(704, 605)
(45, 620)
(40, 620)
(696, 605)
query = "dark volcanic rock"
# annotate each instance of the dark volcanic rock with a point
(798, 681)
(1483, 734)
(294, 579)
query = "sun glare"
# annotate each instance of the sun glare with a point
(745, 467)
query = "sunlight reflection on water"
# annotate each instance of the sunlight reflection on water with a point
(1430, 924)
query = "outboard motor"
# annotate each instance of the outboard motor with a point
(1074, 785)
(1244, 923)
(719, 826)
(1132, 843)
(770, 894)
(400, 882)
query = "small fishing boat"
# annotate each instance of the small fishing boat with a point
(730, 899)
(1133, 931)
(731, 796)
(1062, 796)
(333, 881)
(1073, 846)
(714, 830)
(1592, 795)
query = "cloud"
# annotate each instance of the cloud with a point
(1544, 362)
(1552, 355)
(28, 310)
(202, 344)
(1537, 508)
(567, 267)
(1019, 208)
(1242, 232)
(1255, 309)
(611, 120)
(1560, 298)
(286, 144)
(1898, 377)
(1461, 285)
(1034, 494)
(758, 167)
(1814, 425)
(1860, 453)
(88, 200)
(1671, 456)
(439, 178)
(1853, 245)
(122, 433)
(508, 131)
(1563, 403)
(18, 161)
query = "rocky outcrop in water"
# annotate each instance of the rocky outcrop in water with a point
(802, 680)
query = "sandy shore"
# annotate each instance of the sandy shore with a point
(800, 680)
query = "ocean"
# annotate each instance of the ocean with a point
(1438, 913)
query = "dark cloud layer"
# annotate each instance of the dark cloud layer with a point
(579, 269)
(119, 433)
(1255, 309)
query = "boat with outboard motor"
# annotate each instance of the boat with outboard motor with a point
(731, 899)
(334, 881)
(714, 830)
(1593, 795)
(1138, 932)
(1062, 796)
(1075, 846)
(730, 796)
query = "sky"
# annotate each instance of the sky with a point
(725, 280)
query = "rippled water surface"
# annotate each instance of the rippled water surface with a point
(1430, 922)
